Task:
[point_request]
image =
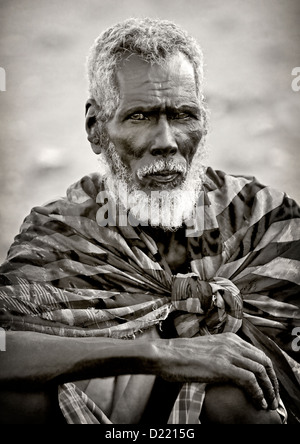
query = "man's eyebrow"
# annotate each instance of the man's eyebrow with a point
(143, 108)
(191, 107)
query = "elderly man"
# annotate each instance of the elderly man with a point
(158, 290)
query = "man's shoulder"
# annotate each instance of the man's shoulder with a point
(219, 184)
(246, 197)
(78, 200)
(245, 194)
(218, 178)
(88, 187)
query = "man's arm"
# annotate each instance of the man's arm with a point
(34, 361)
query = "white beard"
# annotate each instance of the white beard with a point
(168, 209)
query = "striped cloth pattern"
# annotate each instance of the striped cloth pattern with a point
(67, 275)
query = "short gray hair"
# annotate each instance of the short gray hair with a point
(155, 41)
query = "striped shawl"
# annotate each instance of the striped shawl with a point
(67, 275)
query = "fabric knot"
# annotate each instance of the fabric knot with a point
(191, 294)
(213, 306)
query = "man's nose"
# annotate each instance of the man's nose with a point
(163, 140)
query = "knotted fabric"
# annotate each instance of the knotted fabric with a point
(213, 307)
(208, 308)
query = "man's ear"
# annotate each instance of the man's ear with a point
(92, 126)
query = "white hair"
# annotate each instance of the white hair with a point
(155, 41)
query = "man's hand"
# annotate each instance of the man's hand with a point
(223, 358)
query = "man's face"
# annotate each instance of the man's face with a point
(156, 128)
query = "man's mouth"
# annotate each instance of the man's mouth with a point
(163, 176)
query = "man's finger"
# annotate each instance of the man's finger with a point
(263, 379)
(259, 357)
(273, 377)
(247, 381)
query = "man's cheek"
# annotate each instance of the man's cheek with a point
(195, 136)
(133, 147)
(189, 144)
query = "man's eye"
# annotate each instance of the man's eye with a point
(181, 116)
(137, 116)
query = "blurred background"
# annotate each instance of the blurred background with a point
(250, 49)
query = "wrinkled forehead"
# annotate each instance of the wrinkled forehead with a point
(175, 75)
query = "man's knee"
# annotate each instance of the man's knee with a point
(226, 404)
(39, 407)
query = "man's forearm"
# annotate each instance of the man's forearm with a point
(32, 360)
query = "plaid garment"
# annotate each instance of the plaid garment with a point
(68, 275)
(188, 405)
(78, 408)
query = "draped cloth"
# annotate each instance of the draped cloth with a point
(68, 274)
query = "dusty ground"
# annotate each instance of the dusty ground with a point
(250, 47)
